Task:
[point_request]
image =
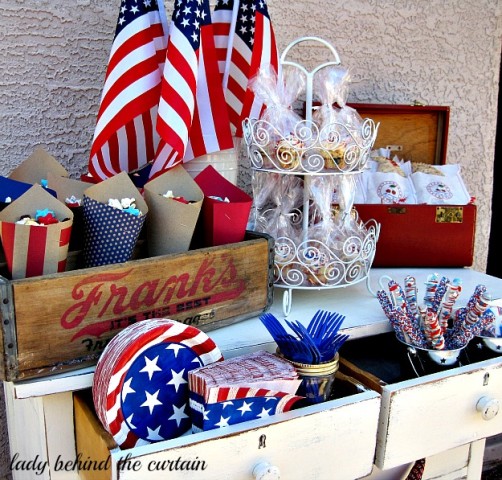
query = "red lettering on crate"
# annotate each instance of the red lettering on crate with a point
(113, 294)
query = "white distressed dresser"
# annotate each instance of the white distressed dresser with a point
(444, 417)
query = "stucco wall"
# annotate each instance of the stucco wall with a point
(445, 52)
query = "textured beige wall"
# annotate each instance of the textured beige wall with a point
(445, 52)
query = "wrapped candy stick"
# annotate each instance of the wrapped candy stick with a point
(449, 299)
(412, 335)
(439, 293)
(487, 324)
(397, 296)
(433, 330)
(478, 307)
(388, 309)
(410, 290)
(385, 302)
(431, 285)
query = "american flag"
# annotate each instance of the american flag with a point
(223, 16)
(140, 386)
(125, 137)
(253, 46)
(244, 407)
(192, 118)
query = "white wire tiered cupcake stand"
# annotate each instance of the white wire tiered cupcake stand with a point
(311, 263)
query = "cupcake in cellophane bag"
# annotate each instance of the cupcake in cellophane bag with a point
(278, 136)
(319, 252)
(283, 221)
(340, 141)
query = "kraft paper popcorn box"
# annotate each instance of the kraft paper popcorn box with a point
(174, 202)
(223, 221)
(37, 166)
(71, 193)
(32, 250)
(110, 233)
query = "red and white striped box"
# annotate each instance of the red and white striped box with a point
(32, 250)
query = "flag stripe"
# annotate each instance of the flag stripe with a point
(123, 138)
(252, 46)
(192, 117)
(36, 251)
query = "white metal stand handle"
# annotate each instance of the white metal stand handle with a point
(265, 471)
(488, 407)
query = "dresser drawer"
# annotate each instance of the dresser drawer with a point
(314, 442)
(422, 416)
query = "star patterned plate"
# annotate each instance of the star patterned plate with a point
(140, 387)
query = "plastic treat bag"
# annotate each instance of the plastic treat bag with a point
(319, 252)
(278, 120)
(263, 185)
(288, 200)
(283, 220)
(339, 126)
(321, 219)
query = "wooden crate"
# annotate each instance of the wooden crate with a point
(57, 322)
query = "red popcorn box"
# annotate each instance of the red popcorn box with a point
(110, 234)
(32, 250)
(171, 221)
(222, 222)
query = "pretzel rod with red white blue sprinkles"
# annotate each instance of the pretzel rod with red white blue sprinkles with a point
(410, 289)
(436, 325)
(449, 299)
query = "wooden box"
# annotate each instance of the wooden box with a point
(57, 322)
(418, 235)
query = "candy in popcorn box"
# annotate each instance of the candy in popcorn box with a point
(225, 211)
(174, 202)
(114, 214)
(71, 193)
(35, 231)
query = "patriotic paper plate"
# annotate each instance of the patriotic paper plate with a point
(140, 387)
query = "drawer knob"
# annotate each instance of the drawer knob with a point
(489, 407)
(265, 471)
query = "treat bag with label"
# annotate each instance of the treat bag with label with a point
(33, 248)
(279, 123)
(225, 210)
(114, 214)
(174, 202)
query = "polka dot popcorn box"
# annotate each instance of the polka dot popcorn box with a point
(111, 232)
